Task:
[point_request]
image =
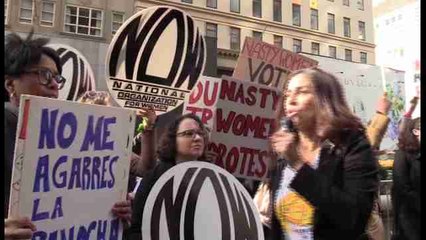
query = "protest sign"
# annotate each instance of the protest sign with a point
(363, 86)
(71, 165)
(267, 64)
(198, 200)
(240, 116)
(76, 70)
(155, 59)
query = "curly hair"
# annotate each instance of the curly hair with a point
(20, 54)
(167, 148)
(96, 97)
(407, 141)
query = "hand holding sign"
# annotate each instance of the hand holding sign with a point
(123, 209)
(18, 228)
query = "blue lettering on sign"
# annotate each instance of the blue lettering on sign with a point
(75, 174)
(87, 173)
(97, 229)
(95, 172)
(42, 174)
(37, 215)
(62, 175)
(68, 119)
(98, 135)
(112, 181)
(107, 145)
(48, 129)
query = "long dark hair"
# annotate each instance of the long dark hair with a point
(167, 148)
(335, 113)
(407, 141)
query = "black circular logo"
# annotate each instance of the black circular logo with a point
(155, 59)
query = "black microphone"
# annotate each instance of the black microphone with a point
(287, 125)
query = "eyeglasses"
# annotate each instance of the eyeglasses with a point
(45, 77)
(191, 133)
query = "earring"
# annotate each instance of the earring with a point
(12, 94)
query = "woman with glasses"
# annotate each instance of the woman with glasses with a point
(30, 68)
(406, 182)
(184, 140)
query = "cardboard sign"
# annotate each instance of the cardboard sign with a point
(363, 86)
(155, 59)
(77, 72)
(240, 115)
(267, 64)
(198, 200)
(71, 165)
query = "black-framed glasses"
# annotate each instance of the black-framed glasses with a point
(45, 77)
(191, 133)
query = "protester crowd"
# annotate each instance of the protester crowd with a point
(324, 160)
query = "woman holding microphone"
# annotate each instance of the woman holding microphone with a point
(324, 184)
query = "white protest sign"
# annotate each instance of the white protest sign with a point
(267, 64)
(363, 86)
(155, 59)
(213, 205)
(71, 165)
(77, 72)
(240, 115)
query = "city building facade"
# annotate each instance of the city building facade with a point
(339, 29)
(333, 28)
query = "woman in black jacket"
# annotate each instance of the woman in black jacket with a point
(184, 140)
(323, 187)
(406, 182)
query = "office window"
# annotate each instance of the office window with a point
(187, 1)
(235, 38)
(117, 21)
(5, 11)
(211, 30)
(257, 35)
(315, 48)
(235, 6)
(360, 4)
(346, 2)
(277, 11)
(26, 11)
(330, 21)
(347, 27)
(361, 27)
(211, 3)
(47, 14)
(296, 15)
(83, 21)
(257, 8)
(363, 57)
(348, 55)
(332, 52)
(314, 19)
(278, 41)
(297, 45)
